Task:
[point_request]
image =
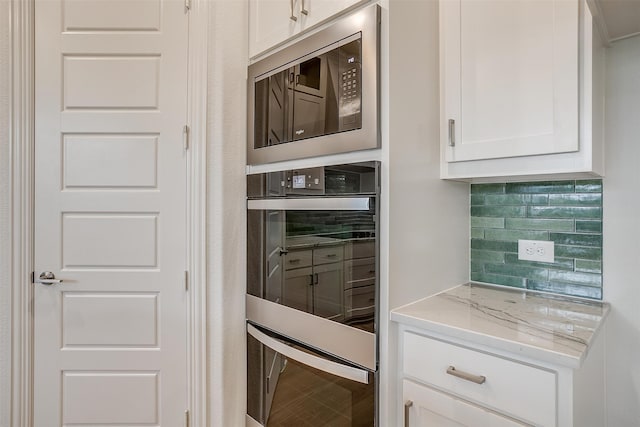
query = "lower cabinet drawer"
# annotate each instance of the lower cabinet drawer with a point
(360, 302)
(517, 390)
(426, 407)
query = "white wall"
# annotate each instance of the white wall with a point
(428, 218)
(5, 248)
(621, 233)
(227, 224)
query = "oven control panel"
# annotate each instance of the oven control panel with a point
(305, 181)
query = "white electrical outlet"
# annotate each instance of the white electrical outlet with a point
(536, 250)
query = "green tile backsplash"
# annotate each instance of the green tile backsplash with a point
(568, 213)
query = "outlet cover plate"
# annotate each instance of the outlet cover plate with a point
(536, 250)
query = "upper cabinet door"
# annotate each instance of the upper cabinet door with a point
(272, 22)
(509, 78)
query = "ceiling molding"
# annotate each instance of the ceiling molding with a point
(598, 18)
(626, 36)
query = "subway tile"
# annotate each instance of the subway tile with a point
(539, 199)
(589, 186)
(578, 199)
(578, 212)
(516, 199)
(581, 252)
(491, 256)
(514, 235)
(487, 188)
(477, 266)
(539, 224)
(543, 187)
(477, 199)
(588, 279)
(517, 282)
(477, 233)
(486, 222)
(588, 226)
(517, 271)
(566, 288)
(492, 245)
(586, 266)
(559, 263)
(571, 239)
(499, 211)
(568, 213)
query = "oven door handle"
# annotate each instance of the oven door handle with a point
(312, 204)
(334, 368)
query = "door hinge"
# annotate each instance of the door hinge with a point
(187, 4)
(186, 418)
(187, 136)
(186, 280)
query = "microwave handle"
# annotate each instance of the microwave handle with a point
(312, 204)
(334, 368)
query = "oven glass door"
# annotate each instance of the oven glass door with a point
(289, 385)
(317, 256)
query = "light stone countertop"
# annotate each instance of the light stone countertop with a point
(546, 327)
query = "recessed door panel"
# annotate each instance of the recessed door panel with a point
(95, 398)
(101, 161)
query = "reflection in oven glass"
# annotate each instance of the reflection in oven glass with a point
(308, 397)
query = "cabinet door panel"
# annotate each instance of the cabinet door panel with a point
(432, 408)
(328, 291)
(297, 289)
(510, 78)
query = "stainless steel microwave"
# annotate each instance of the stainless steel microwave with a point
(318, 96)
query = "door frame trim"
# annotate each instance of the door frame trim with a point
(21, 215)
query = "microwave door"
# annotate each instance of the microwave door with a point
(309, 98)
(272, 124)
(308, 115)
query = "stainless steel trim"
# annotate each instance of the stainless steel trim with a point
(407, 410)
(338, 369)
(478, 379)
(365, 21)
(292, 17)
(343, 341)
(452, 133)
(312, 204)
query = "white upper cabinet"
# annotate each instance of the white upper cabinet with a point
(272, 22)
(516, 84)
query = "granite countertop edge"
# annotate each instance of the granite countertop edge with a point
(518, 348)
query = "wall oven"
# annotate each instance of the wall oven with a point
(312, 290)
(318, 96)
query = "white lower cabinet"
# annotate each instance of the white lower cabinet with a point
(449, 382)
(426, 407)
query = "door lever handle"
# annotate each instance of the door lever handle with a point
(48, 278)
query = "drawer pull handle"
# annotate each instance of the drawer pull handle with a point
(407, 407)
(295, 260)
(332, 255)
(478, 379)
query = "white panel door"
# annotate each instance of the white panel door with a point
(509, 78)
(110, 340)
